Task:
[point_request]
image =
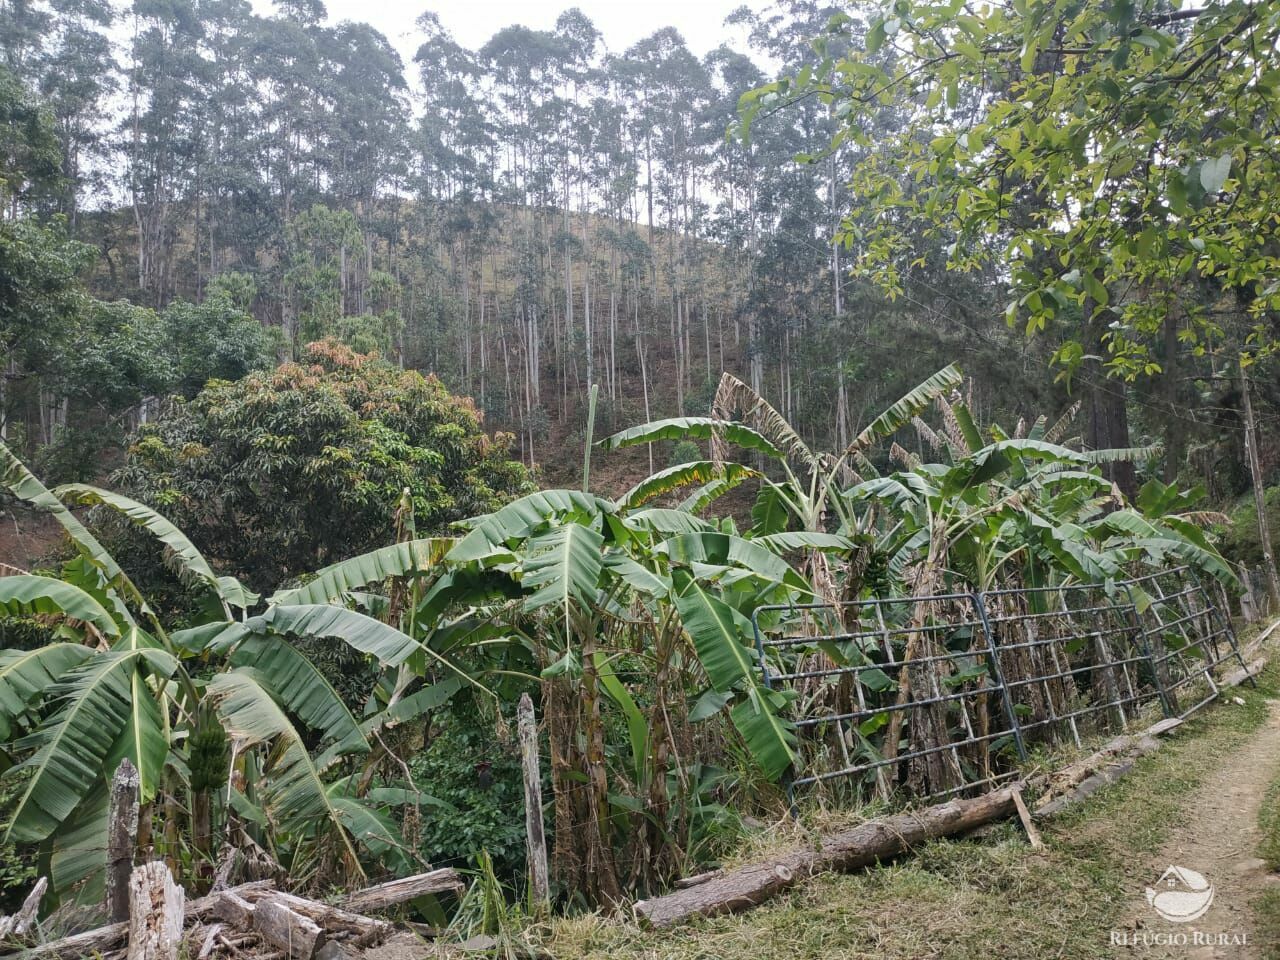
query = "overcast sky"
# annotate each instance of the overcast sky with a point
(621, 22)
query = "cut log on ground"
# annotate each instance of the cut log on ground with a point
(365, 930)
(396, 892)
(156, 913)
(874, 841)
(1062, 781)
(1240, 675)
(105, 939)
(298, 936)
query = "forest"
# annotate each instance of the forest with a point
(765, 422)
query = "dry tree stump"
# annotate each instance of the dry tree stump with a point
(156, 913)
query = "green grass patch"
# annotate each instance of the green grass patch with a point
(968, 898)
(1266, 914)
(1269, 821)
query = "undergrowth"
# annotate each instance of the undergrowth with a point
(969, 898)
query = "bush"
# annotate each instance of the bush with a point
(466, 767)
(284, 472)
(1240, 540)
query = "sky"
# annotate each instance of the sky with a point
(621, 22)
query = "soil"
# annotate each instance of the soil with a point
(1218, 837)
(26, 537)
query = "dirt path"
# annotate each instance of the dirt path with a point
(1217, 837)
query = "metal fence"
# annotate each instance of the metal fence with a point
(940, 695)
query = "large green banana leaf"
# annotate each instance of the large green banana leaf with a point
(26, 675)
(520, 518)
(717, 631)
(562, 566)
(28, 594)
(769, 736)
(396, 560)
(302, 689)
(101, 702)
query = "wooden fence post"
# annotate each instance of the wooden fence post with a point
(538, 875)
(122, 838)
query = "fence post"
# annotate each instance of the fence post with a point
(993, 662)
(1222, 613)
(1156, 668)
(788, 777)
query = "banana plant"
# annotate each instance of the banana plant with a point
(114, 684)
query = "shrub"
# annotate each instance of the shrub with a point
(289, 470)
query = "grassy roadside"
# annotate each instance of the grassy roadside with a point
(970, 898)
(1267, 907)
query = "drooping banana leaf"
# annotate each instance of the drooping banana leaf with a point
(906, 407)
(718, 633)
(22, 483)
(176, 543)
(804, 540)
(378, 832)
(769, 736)
(320, 620)
(664, 522)
(293, 794)
(396, 560)
(31, 595)
(302, 689)
(691, 428)
(684, 475)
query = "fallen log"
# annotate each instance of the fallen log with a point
(104, 939)
(1240, 675)
(395, 892)
(156, 913)
(1061, 781)
(868, 843)
(233, 909)
(298, 936)
(366, 930)
(1104, 777)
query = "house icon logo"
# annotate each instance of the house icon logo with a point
(1181, 895)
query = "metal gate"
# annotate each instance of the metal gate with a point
(940, 695)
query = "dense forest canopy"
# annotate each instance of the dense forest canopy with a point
(522, 219)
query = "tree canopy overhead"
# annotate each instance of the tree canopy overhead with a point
(1114, 163)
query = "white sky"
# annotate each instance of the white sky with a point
(472, 22)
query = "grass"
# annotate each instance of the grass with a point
(970, 898)
(1267, 907)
